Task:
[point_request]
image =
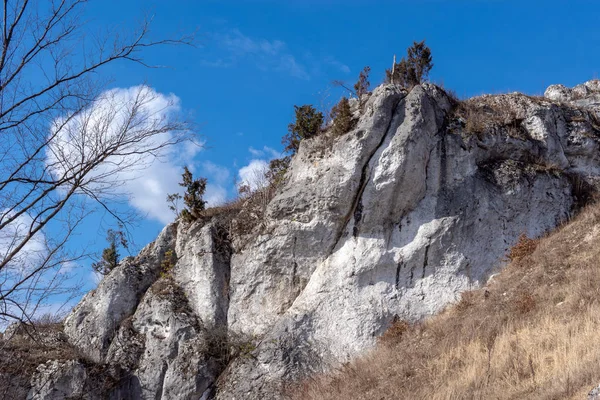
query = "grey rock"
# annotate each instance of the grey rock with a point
(58, 380)
(432, 216)
(558, 93)
(165, 346)
(394, 219)
(202, 270)
(93, 323)
(305, 220)
(594, 394)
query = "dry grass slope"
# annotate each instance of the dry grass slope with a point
(532, 333)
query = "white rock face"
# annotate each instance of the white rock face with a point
(60, 380)
(394, 219)
(94, 321)
(165, 346)
(558, 93)
(202, 271)
(305, 221)
(432, 215)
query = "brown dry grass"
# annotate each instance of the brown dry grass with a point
(532, 333)
(31, 346)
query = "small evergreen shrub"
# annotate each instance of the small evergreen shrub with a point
(110, 255)
(167, 264)
(343, 122)
(192, 198)
(308, 124)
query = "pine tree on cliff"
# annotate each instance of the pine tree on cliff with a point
(342, 118)
(110, 255)
(192, 198)
(307, 125)
(413, 69)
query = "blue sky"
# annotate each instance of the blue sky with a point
(256, 59)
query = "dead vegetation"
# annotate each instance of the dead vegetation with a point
(492, 114)
(23, 348)
(531, 333)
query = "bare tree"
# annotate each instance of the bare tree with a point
(66, 143)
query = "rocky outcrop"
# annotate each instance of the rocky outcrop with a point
(93, 323)
(393, 220)
(429, 214)
(585, 95)
(594, 394)
(58, 380)
(160, 317)
(165, 347)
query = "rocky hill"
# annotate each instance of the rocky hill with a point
(530, 333)
(391, 221)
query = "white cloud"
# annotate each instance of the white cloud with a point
(145, 178)
(253, 174)
(96, 277)
(330, 60)
(255, 152)
(22, 266)
(215, 195)
(263, 53)
(265, 151)
(219, 174)
(239, 43)
(12, 235)
(288, 63)
(68, 266)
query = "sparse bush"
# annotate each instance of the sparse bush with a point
(308, 124)
(254, 198)
(277, 169)
(223, 346)
(173, 201)
(341, 114)
(467, 299)
(524, 303)
(413, 69)
(361, 87)
(254, 211)
(583, 192)
(110, 255)
(168, 262)
(30, 346)
(488, 115)
(192, 198)
(394, 333)
(523, 248)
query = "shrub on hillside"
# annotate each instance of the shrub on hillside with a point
(413, 69)
(308, 123)
(523, 248)
(341, 116)
(394, 333)
(277, 169)
(192, 198)
(361, 87)
(110, 255)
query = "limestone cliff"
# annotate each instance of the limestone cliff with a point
(419, 202)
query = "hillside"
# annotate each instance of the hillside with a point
(380, 225)
(530, 333)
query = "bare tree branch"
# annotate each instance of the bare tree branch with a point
(68, 144)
